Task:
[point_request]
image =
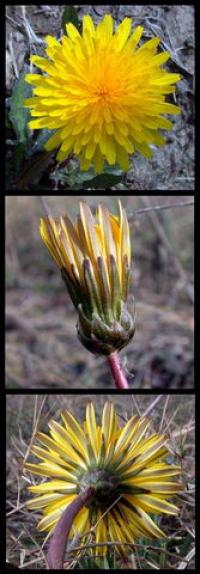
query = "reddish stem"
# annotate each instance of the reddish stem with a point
(117, 373)
(58, 542)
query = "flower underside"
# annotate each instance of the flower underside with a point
(104, 96)
(123, 464)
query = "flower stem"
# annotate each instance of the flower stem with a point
(58, 542)
(117, 373)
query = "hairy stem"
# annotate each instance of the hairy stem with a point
(58, 542)
(117, 373)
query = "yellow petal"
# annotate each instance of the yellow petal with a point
(122, 33)
(104, 29)
(50, 486)
(80, 522)
(101, 535)
(135, 38)
(53, 515)
(106, 231)
(88, 26)
(53, 141)
(88, 224)
(43, 500)
(72, 31)
(48, 469)
(109, 423)
(92, 428)
(62, 436)
(151, 503)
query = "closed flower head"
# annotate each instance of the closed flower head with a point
(102, 94)
(94, 256)
(124, 465)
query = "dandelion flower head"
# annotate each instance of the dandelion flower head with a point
(103, 96)
(126, 466)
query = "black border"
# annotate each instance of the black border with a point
(196, 390)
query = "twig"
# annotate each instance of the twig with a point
(45, 205)
(136, 405)
(151, 407)
(163, 237)
(183, 565)
(14, 63)
(16, 509)
(33, 39)
(36, 420)
(101, 518)
(164, 412)
(131, 544)
(39, 548)
(182, 432)
(159, 208)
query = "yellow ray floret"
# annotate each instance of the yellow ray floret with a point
(104, 95)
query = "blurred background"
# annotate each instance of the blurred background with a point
(42, 349)
(172, 415)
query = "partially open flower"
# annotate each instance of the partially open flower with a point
(94, 258)
(127, 469)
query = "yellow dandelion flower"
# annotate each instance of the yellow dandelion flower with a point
(125, 466)
(104, 95)
(94, 258)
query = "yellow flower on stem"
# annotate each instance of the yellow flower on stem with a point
(104, 95)
(120, 470)
(95, 258)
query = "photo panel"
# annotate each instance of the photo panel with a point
(100, 481)
(100, 97)
(94, 278)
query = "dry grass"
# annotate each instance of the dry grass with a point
(42, 350)
(173, 415)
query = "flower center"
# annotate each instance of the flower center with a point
(102, 92)
(105, 483)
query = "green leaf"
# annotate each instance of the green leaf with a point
(18, 114)
(87, 563)
(69, 15)
(111, 176)
(19, 153)
(40, 141)
(104, 180)
(34, 170)
(108, 178)
(8, 122)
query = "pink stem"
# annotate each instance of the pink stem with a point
(58, 542)
(117, 373)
